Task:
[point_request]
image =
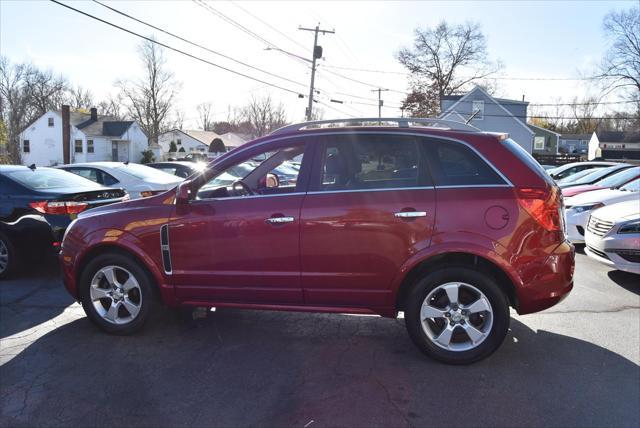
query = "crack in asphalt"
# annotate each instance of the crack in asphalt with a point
(591, 311)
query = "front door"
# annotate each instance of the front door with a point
(370, 207)
(238, 240)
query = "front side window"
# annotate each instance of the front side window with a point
(267, 173)
(89, 146)
(26, 146)
(371, 162)
(50, 122)
(78, 146)
(454, 164)
(538, 143)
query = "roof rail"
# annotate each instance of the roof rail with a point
(403, 122)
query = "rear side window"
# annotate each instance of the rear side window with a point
(526, 158)
(454, 164)
(371, 162)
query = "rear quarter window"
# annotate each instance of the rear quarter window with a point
(454, 164)
(526, 158)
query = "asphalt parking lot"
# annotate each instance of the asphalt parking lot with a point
(576, 364)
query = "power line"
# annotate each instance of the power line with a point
(241, 27)
(404, 73)
(197, 45)
(267, 24)
(176, 50)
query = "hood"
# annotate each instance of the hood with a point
(572, 191)
(621, 211)
(164, 198)
(606, 196)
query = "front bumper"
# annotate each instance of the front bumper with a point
(552, 283)
(614, 250)
(576, 225)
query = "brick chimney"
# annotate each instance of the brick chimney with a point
(66, 134)
(94, 114)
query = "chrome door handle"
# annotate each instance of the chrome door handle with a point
(279, 220)
(410, 214)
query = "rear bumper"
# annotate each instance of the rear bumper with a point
(552, 282)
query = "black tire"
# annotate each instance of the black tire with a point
(148, 296)
(481, 281)
(12, 261)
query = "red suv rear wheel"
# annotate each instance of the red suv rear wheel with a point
(457, 315)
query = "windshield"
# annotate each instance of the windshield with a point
(633, 186)
(619, 178)
(596, 175)
(146, 173)
(49, 178)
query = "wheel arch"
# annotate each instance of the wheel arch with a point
(164, 291)
(456, 258)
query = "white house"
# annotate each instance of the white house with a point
(190, 141)
(490, 114)
(92, 137)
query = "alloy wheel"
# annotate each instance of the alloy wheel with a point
(456, 316)
(116, 295)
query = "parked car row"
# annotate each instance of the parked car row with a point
(38, 203)
(602, 211)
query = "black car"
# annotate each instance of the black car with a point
(179, 168)
(37, 205)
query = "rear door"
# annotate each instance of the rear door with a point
(371, 205)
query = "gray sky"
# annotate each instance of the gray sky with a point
(541, 39)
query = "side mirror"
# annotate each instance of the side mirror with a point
(183, 193)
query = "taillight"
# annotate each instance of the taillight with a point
(544, 205)
(58, 207)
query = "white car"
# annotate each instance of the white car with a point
(575, 167)
(138, 180)
(578, 208)
(613, 236)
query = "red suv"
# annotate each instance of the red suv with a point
(452, 226)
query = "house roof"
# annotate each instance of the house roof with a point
(451, 109)
(575, 136)
(205, 137)
(618, 137)
(542, 129)
(232, 139)
(105, 126)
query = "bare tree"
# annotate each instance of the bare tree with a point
(112, 106)
(46, 91)
(437, 61)
(205, 119)
(151, 98)
(178, 121)
(622, 60)
(80, 99)
(263, 115)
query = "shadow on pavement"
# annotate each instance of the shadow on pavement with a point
(240, 368)
(32, 297)
(626, 280)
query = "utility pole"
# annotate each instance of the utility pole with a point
(317, 53)
(380, 101)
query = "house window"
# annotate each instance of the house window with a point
(89, 146)
(538, 143)
(477, 108)
(179, 141)
(78, 146)
(25, 146)
(50, 122)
